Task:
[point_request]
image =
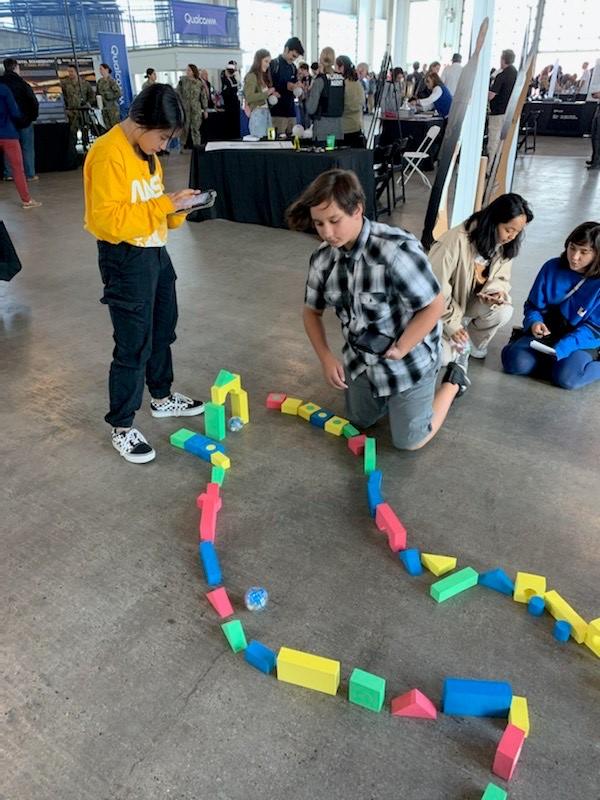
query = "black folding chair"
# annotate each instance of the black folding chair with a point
(527, 129)
(382, 174)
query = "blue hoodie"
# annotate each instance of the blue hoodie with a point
(581, 310)
(9, 114)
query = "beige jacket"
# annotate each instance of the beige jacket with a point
(354, 100)
(453, 262)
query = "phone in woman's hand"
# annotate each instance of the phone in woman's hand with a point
(197, 202)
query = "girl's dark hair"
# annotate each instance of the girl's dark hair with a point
(106, 67)
(347, 67)
(338, 185)
(256, 68)
(157, 107)
(481, 226)
(397, 72)
(149, 72)
(195, 71)
(585, 235)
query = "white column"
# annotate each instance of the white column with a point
(399, 31)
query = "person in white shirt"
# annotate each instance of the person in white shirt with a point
(451, 73)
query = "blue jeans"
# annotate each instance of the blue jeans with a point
(26, 137)
(572, 372)
(260, 121)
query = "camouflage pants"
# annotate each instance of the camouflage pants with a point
(76, 123)
(193, 124)
(110, 115)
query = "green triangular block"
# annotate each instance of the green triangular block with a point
(223, 378)
(234, 633)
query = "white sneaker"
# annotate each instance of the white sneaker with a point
(477, 352)
(177, 405)
(31, 204)
(133, 446)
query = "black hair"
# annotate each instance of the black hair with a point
(106, 67)
(314, 65)
(397, 72)
(416, 65)
(149, 72)
(10, 64)
(294, 44)
(348, 67)
(481, 226)
(456, 58)
(585, 235)
(303, 65)
(72, 66)
(508, 56)
(157, 107)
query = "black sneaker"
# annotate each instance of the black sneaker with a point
(456, 374)
(133, 446)
(177, 405)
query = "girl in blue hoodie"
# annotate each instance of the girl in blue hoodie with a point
(563, 312)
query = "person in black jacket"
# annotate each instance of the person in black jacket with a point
(29, 108)
(231, 101)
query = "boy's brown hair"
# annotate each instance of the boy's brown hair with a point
(336, 185)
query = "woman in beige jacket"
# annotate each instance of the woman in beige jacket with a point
(354, 102)
(473, 264)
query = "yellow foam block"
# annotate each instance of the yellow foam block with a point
(519, 714)
(439, 565)
(218, 394)
(336, 425)
(291, 405)
(239, 406)
(220, 460)
(526, 585)
(307, 410)
(592, 636)
(310, 671)
(560, 609)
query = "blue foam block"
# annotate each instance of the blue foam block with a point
(374, 496)
(411, 559)
(536, 605)
(473, 698)
(203, 447)
(562, 630)
(320, 417)
(210, 563)
(260, 657)
(498, 580)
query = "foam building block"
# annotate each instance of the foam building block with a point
(536, 605)
(214, 421)
(219, 459)
(411, 559)
(239, 406)
(357, 444)
(374, 496)
(179, 438)
(508, 752)
(203, 447)
(413, 704)
(527, 584)
(366, 690)
(307, 410)
(219, 600)
(387, 521)
(560, 609)
(592, 636)
(498, 580)
(217, 475)
(335, 425)
(320, 417)
(291, 405)
(260, 657)
(234, 633)
(209, 504)
(308, 670)
(370, 455)
(438, 565)
(225, 382)
(275, 399)
(464, 697)
(350, 431)
(562, 630)
(519, 714)
(453, 584)
(210, 563)
(493, 792)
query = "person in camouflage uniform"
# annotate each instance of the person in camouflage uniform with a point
(194, 97)
(110, 91)
(77, 92)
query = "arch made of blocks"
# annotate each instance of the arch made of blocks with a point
(227, 384)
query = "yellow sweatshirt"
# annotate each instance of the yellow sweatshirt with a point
(123, 201)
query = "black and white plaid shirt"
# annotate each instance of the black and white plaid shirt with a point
(383, 281)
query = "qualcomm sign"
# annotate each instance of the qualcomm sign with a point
(200, 19)
(114, 53)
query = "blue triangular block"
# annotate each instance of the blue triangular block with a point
(498, 580)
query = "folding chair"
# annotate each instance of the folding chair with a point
(382, 173)
(415, 157)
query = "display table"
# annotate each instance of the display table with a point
(561, 119)
(416, 130)
(257, 186)
(54, 151)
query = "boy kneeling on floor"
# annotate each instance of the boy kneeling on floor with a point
(381, 285)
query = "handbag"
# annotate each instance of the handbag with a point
(10, 263)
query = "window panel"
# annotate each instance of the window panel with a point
(339, 31)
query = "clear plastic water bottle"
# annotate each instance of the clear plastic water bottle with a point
(235, 424)
(256, 598)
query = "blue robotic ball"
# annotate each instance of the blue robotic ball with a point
(256, 598)
(235, 424)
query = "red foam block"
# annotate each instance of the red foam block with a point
(219, 600)
(508, 752)
(387, 521)
(413, 704)
(275, 399)
(357, 444)
(209, 504)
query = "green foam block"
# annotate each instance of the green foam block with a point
(370, 456)
(234, 633)
(454, 584)
(493, 792)
(366, 690)
(349, 431)
(180, 437)
(217, 475)
(214, 421)
(223, 378)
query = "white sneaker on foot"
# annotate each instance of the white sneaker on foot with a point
(177, 405)
(133, 446)
(31, 204)
(477, 352)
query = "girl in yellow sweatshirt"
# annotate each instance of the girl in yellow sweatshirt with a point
(128, 212)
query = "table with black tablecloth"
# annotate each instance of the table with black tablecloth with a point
(561, 119)
(416, 131)
(54, 150)
(257, 186)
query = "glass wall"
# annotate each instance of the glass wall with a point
(380, 43)
(339, 31)
(263, 24)
(423, 41)
(570, 34)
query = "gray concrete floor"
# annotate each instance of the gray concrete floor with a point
(118, 684)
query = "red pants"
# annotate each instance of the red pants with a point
(12, 153)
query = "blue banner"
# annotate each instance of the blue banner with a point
(114, 53)
(200, 19)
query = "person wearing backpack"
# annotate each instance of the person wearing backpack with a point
(325, 104)
(29, 107)
(284, 78)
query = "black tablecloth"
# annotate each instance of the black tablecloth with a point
(257, 186)
(561, 119)
(53, 148)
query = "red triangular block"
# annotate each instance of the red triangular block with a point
(413, 704)
(219, 600)
(357, 444)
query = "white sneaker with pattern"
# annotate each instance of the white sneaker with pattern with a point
(132, 445)
(177, 405)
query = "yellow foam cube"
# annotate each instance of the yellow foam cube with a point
(310, 671)
(526, 585)
(239, 406)
(336, 425)
(519, 714)
(592, 636)
(560, 609)
(291, 405)
(439, 565)
(220, 460)
(218, 394)
(307, 410)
